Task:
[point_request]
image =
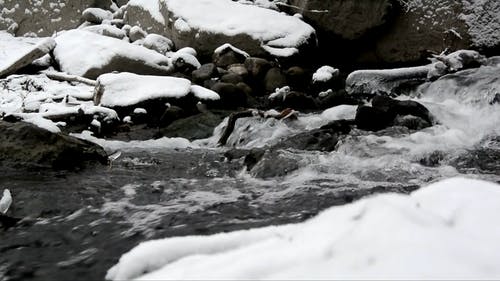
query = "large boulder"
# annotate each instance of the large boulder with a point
(26, 145)
(349, 19)
(208, 24)
(43, 18)
(400, 31)
(89, 55)
(24, 55)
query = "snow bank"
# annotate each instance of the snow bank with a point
(448, 230)
(88, 54)
(278, 33)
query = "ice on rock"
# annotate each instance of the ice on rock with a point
(448, 230)
(6, 201)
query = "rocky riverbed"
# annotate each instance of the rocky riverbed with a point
(146, 121)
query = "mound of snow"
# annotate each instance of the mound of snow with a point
(448, 230)
(325, 74)
(89, 55)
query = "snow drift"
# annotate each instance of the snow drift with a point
(448, 230)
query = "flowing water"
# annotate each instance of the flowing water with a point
(77, 224)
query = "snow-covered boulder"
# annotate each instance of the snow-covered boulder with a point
(448, 230)
(43, 18)
(19, 53)
(96, 15)
(159, 43)
(127, 89)
(389, 81)
(89, 55)
(208, 24)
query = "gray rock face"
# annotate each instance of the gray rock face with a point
(349, 19)
(409, 30)
(22, 17)
(23, 144)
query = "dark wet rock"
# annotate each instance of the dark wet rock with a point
(386, 112)
(403, 108)
(411, 122)
(205, 72)
(373, 118)
(484, 158)
(297, 101)
(274, 164)
(232, 78)
(297, 77)
(26, 145)
(434, 159)
(36, 52)
(257, 67)
(274, 79)
(199, 126)
(227, 57)
(96, 15)
(231, 96)
(322, 139)
(171, 114)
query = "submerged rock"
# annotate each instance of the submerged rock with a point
(26, 145)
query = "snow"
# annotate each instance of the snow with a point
(231, 19)
(325, 74)
(186, 58)
(150, 145)
(204, 93)
(126, 89)
(80, 52)
(152, 6)
(41, 122)
(223, 47)
(6, 201)
(448, 230)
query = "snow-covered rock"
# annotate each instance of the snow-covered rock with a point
(388, 81)
(127, 89)
(44, 18)
(325, 74)
(96, 15)
(89, 55)
(106, 30)
(158, 43)
(448, 230)
(208, 24)
(20, 53)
